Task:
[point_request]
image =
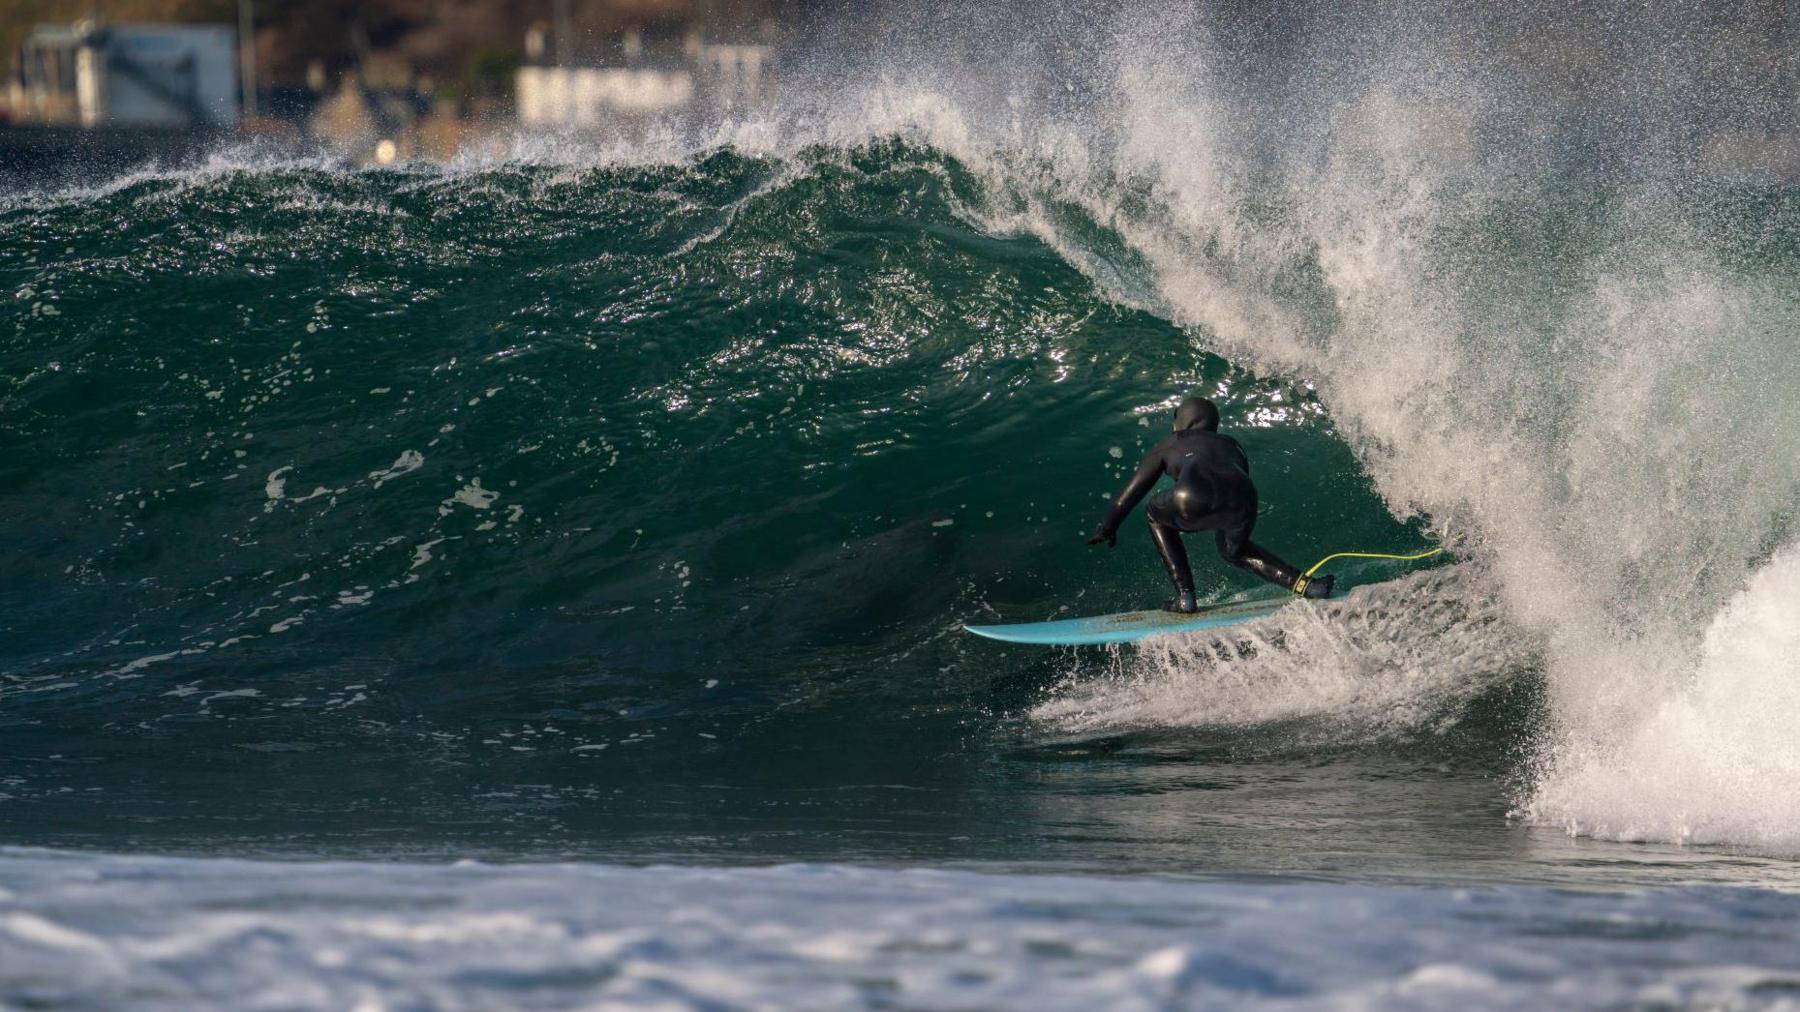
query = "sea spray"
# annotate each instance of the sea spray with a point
(1715, 759)
(1384, 662)
(1576, 367)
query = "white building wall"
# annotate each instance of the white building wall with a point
(585, 96)
(736, 71)
(200, 60)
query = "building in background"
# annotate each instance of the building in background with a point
(374, 114)
(380, 81)
(92, 99)
(90, 74)
(649, 71)
(368, 81)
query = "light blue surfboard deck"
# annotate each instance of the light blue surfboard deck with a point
(1130, 625)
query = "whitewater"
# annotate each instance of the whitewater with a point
(536, 580)
(470, 935)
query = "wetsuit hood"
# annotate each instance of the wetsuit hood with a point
(1197, 413)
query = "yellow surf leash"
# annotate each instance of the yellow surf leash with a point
(1376, 555)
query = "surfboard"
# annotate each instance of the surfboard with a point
(1131, 625)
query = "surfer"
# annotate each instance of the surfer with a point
(1212, 492)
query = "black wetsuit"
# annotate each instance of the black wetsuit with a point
(1213, 492)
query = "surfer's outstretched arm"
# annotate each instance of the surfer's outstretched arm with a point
(1134, 491)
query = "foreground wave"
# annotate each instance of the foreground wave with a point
(162, 933)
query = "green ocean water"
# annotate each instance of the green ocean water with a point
(574, 508)
(631, 511)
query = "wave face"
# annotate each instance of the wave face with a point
(644, 479)
(629, 499)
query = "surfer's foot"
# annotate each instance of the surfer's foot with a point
(1183, 604)
(1317, 587)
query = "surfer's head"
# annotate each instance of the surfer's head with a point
(1197, 413)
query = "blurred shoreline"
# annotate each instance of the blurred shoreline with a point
(129, 84)
(95, 91)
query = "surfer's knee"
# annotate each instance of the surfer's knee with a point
(1157, 513)
(1233, 547)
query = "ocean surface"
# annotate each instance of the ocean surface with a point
(537, 580)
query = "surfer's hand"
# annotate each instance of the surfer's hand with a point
(1111, 538)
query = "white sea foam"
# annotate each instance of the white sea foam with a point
(275, 487)
(1714, 760)
(473, 496)
(156, 933)
(408, 462)
(1395, 659)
